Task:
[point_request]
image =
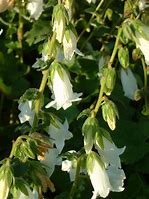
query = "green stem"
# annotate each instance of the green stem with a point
(20, 30)
(42, 87)
(115, 48)
(145, 86)
(100, 99)
(74, 186)
(89, 22)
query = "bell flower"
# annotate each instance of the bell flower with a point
(70, 44)
(51, 159)
(35, 8)
(27, 113)
(68, 6)
(110, 153)
(5, 4)
(98, 176)
(31, 194)
(70, 167)
(4, 188)
(59, 134)
(59, 22)
(116, 178)
(129, 83)
(62, 89)
(143, 43)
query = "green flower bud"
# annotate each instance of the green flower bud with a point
(136, 54)
(123, 56)
(89, 129)
(109, 76)
(109, 113)
(60, 20)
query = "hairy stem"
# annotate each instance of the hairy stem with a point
(74, 186)
(42, 88)
(100, 97)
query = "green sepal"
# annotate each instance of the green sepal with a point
(123, 56)
(30, 94)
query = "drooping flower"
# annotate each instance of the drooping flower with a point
(143, 42)
(116, 178)
(129, 83)
(31, 194)
(110, 153)
(4, 188)
(5, 4)
(59, 22)
(98, 176)
(62, 89)
(51, 159)
(70, 44)
(27, 113)
(70, 167)
(59, 134)
(35, 8)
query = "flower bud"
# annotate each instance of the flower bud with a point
(59, 19)
(89, 129)
(109, 76)
(123, 56)
(109, 113)
(136, 54)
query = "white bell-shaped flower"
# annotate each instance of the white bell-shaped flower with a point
(98, 176)
(143, 43)
(35, 8)
(31, 194)
(27, 113)
(70, 167)
(59, 22)
(70, 44)
(51, 159)
(4, 189)
(62, 89)
(116, 178)
(59, 134)
(110, 153)
(129, 83)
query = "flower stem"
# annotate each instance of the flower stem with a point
(89, 22)
(42, 87)
(115, 48)
(74, 186)
(145, 87)
(100, 97)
